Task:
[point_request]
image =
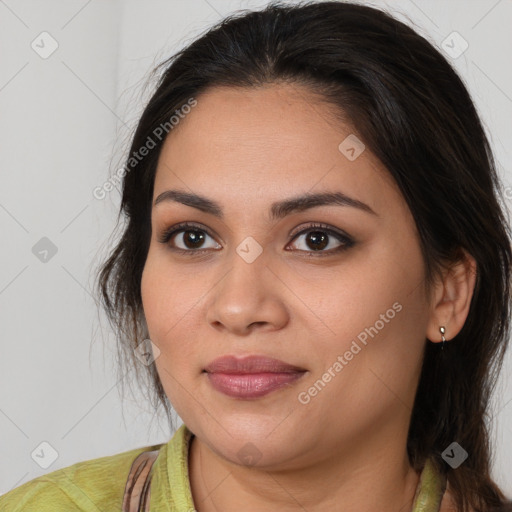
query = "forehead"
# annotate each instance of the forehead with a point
(268, 142)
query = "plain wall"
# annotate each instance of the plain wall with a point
(63, 121)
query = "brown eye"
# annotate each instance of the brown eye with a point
(317, 240)
(323, 241)
(192, 239)
(187, 238)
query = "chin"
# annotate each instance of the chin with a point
(247, 440)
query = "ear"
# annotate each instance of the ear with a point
(451, 298)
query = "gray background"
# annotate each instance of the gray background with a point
(63, 123)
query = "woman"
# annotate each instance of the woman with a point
(315, 273)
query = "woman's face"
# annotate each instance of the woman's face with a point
(344, 304)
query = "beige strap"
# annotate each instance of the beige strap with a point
(137, 491)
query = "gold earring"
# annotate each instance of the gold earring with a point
(443, 339)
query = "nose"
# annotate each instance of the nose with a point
(248, 297)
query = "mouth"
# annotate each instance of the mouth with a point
(250, 365)
(252, 376)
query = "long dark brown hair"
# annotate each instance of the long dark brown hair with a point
(414, 113)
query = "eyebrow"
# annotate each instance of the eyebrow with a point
(278, 210)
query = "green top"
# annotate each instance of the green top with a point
(97, 485)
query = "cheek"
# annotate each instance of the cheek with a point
(167, 295)
(171, 299)
(374, 313)
(166, 301)
(153, 298)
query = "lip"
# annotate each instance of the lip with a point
(251, 376)
(250, 364)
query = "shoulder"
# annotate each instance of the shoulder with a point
(92, 485)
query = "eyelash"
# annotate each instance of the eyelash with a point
(347, 242)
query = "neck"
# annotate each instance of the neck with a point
(377, 477)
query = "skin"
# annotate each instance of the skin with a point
(346, 448)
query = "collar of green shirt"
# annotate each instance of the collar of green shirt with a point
(170, 484)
